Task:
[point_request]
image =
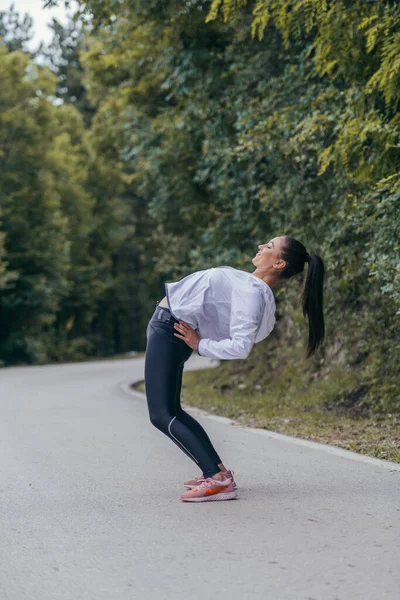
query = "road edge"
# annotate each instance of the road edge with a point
(335, 450)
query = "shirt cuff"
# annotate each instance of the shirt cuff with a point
(198, 344)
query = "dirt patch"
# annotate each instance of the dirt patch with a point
(352, 403)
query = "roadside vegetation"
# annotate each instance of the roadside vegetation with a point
(274, 391)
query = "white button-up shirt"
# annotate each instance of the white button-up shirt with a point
(230, 309)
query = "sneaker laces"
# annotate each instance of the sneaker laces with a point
(209, 482)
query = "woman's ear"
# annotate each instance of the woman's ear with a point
(279, 264)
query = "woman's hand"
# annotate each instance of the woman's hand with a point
(187, 334)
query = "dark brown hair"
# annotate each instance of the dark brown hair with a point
(295, 255)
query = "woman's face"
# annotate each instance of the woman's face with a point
(268, 255)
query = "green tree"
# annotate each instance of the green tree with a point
(6, 276)
(230, 140)
(63, 57)
(37, 248)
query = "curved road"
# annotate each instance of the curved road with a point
(89, 506)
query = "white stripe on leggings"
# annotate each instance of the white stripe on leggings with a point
(186, 450)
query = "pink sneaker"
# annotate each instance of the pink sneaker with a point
(191, 483)
(209, 490)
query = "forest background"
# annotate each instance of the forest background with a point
(166, 137)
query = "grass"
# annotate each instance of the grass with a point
(326, 408)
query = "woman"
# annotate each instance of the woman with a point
(221, 313)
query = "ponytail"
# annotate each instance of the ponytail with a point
(295, 255)
(312, 302)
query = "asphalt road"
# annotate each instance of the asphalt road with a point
(89, 506)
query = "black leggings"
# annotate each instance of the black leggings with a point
(164, 362)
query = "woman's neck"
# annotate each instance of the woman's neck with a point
(270, 278)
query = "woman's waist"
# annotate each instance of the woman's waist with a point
(163, 314)
(213, 325)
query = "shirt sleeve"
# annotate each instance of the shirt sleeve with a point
(245, 319)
